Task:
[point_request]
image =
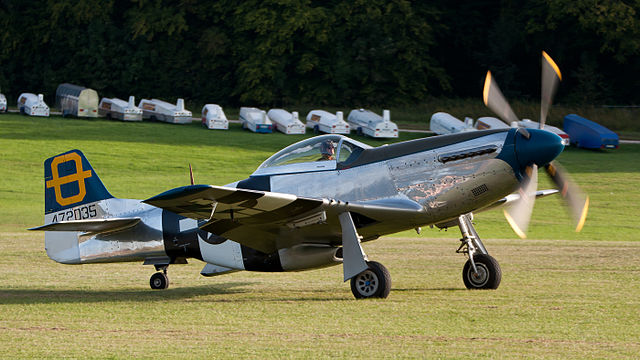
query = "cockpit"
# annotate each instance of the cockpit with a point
(314, 154)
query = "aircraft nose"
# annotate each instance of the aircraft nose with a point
(541, 148)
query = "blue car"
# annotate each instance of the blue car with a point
(588, 134)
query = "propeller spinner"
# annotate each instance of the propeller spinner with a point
(529, 150)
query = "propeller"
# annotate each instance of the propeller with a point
(495, 101)
(191, 174)
(519, 214)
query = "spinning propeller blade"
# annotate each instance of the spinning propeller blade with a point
(575, 199)
(191, 174)
(519, 214)
(551, 76)
(495, 101)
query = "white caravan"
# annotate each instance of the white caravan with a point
(369, 123)
(32, 104)
(3, 103)
(443, 123)
(255, 120)
(529, 124)
(489, 122)
(214, 118)
(158, 110)
(114, 108)
(326, 122)
(286, 122)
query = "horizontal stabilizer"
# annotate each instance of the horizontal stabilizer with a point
(93, 226)
(214, 270)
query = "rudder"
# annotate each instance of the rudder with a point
(69, 181)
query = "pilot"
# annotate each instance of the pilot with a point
(327, 150)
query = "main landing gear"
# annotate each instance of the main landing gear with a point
(481, 271)
(369, 279)
(375, 282)
(160, 280)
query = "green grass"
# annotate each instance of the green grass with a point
(573, 298)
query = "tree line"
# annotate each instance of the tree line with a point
(334, 52)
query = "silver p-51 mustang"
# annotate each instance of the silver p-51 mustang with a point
(310, 205)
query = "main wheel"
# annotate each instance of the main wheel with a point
(375, 282)
(159, 281)
(488, 276)
(316, 130)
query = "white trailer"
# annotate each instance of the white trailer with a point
(326, 122)
(114, 108)
(32, 104)
(286, 122)
(489, 122)
(214, 118)
(369, 123)
(158, 110)
(74, 100)
(3, 103)
(443, 123)
(255, 120)
(529, 124)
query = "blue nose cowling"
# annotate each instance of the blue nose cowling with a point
(540, 149)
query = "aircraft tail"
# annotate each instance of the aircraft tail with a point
(70, 181)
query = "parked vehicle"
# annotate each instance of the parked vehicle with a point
(74, 100)
(286, 122)
(368, 123)
(3, 103)
(529, 124)
(255, 120)
(158, 110)
(326, 122)
(32, 104)
(489, 122)
(587, 134)
(443, 123)
(114, 108)
(214, 118)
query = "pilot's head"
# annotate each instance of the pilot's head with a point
(327, 150)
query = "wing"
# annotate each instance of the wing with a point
(268, 221)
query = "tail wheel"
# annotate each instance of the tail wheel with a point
(488, 275)
(159, 281)
(375, 282)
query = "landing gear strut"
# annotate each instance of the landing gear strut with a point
(481, 271)
(160, 280)
(369, 279)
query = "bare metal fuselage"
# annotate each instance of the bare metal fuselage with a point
(442, 183)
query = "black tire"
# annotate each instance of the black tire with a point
(316, 130)
(374, 282)
(359, 132)
(159, 281)
(489, 273)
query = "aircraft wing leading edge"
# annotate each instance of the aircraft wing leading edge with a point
(267, 221)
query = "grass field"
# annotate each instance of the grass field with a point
(571, 298)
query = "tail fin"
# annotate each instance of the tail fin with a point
(69, 181)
